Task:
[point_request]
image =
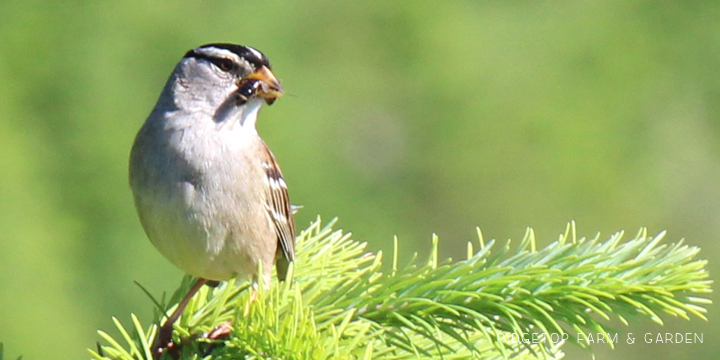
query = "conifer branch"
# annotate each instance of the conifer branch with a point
(340, 304)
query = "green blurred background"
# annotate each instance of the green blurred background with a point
(403, 118)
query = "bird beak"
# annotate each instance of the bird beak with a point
(269, 88)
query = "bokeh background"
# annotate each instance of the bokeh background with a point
(403, 118)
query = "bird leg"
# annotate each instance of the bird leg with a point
(163, 340)
(253, 296)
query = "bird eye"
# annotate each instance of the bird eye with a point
(224, 64)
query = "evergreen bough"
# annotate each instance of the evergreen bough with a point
(341, 306)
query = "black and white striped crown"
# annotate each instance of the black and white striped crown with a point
(230, 51)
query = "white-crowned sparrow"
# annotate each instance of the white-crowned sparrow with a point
(208, 191)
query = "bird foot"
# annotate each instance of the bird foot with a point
(163, 342)
(219, 332)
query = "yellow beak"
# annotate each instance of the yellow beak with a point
(270, 88)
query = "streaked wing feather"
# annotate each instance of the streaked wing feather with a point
(281, 213)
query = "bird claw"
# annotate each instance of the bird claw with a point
(163, 342)
(219, 331)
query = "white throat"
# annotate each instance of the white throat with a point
(249, 112)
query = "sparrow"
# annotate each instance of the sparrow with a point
(209, 193)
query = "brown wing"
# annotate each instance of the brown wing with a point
(280, 211)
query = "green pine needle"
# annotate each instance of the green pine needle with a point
(341, 306)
